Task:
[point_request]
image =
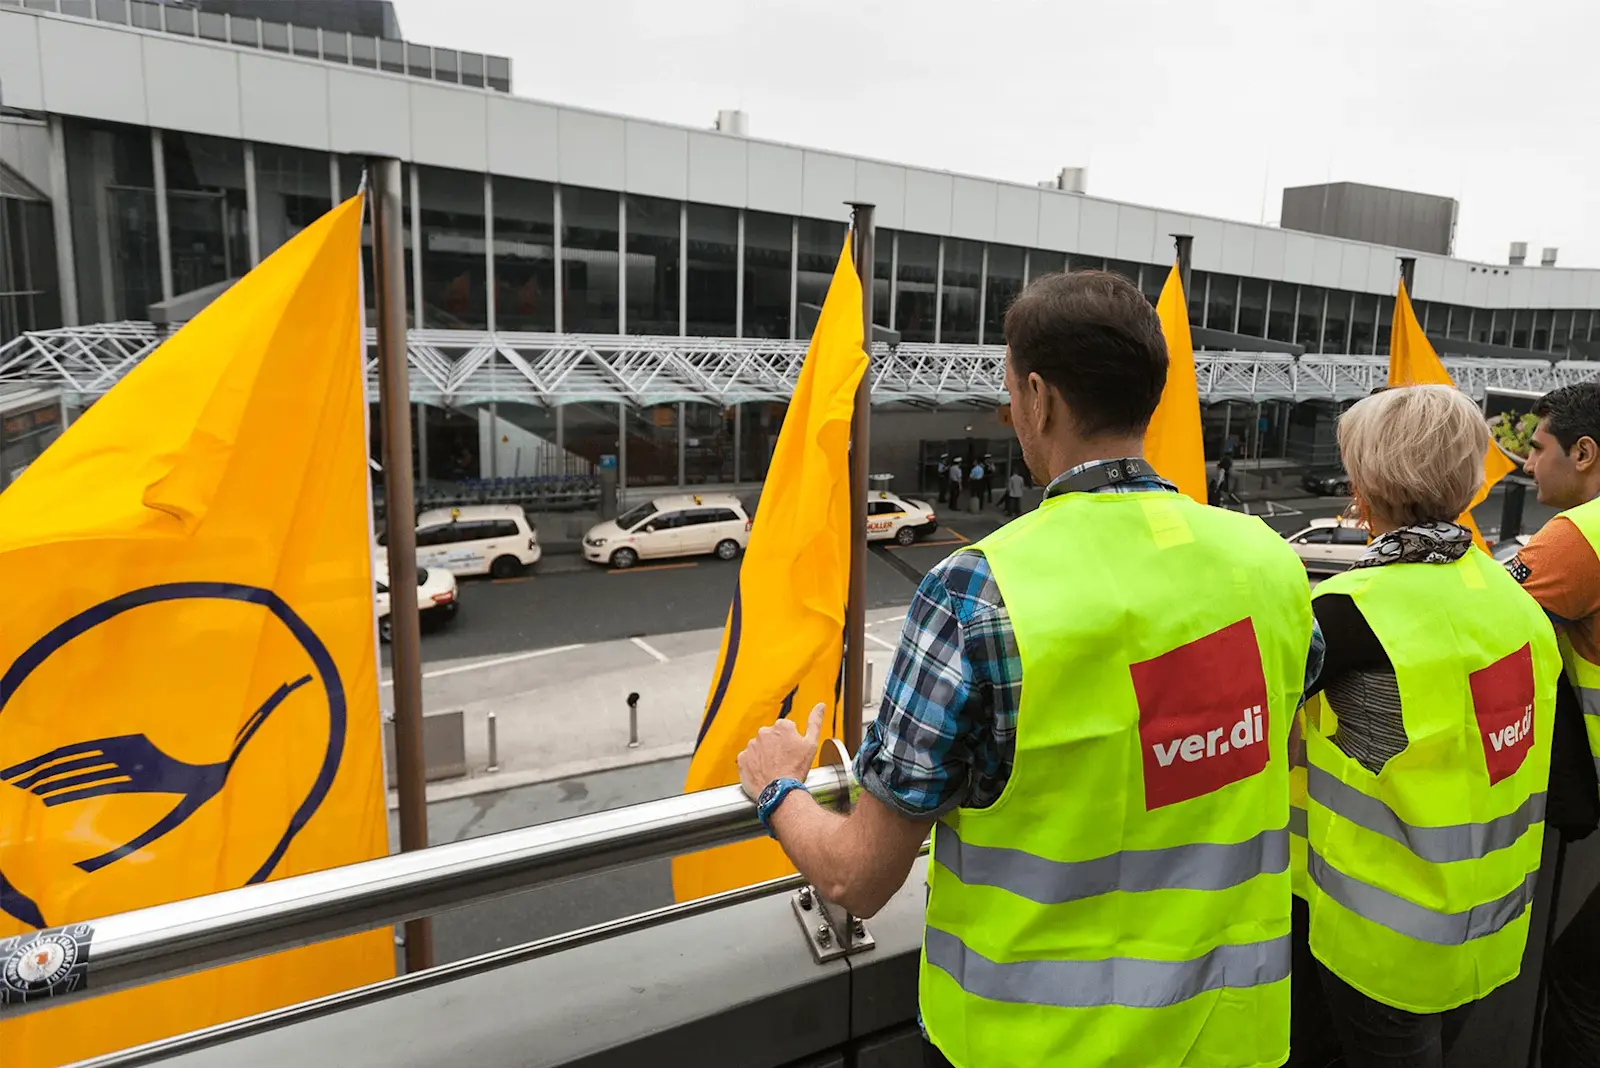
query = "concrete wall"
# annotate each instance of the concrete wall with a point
(197, 86)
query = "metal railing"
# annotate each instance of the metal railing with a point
(165, 941)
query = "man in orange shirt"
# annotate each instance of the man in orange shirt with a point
(1560, 568)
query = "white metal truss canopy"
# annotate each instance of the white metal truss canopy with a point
(461, 367)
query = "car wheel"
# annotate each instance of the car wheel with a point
(905, 535)
(727, 549)
(505, 567)
(386, 629)
(624, 558)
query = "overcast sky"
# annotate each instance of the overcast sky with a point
(1193, 105)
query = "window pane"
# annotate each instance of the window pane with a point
(110, 178)
(212, 27)
(766, 278)
(713, 270)
(1541, 330)
(820, 244)
(1308, 331)
(1280, 312)
(1152, 280)
(707, 445)
(1253, 307)
(653, 250)
(205, 210)
(364, 51)
(759, 423)
(392, 56)
(1076, 262)
(524, 255)
(1520, 321)
(653, 445)
(1460, 323)
(1128, 270)
(242, 31)
(1220, 301)
(589, 254)
(589, 431)
(334, 46)
(274, 35)
(454, 286)
(1005, 282)
(292, 192)
(963, 273)
(914, 289)
(1336, 322)
(1499, 326)
(882, 277)
(1385, 323)
(1363, 323)
(1043, 261)
(419, 60)
(1561, 332)
(304, 40)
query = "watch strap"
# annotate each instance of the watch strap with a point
(772, 796)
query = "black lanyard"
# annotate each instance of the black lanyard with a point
(1110, 473)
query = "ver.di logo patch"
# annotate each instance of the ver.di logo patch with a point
(1502, 701)
(1203, 715)
(134, 764)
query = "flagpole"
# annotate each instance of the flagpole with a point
(855, 627)
(400, 511)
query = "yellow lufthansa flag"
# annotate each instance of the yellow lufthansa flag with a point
(1173, 444)
(1412, 362)
(783, 645)
(188, 683)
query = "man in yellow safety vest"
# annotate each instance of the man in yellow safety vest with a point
(1090, 708)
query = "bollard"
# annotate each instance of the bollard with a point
(633, 721)
(494, 745)
(866, 688)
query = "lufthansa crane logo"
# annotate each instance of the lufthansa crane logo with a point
(125, 796)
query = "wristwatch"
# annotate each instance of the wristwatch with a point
(772, 796)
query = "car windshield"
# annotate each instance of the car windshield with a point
(634, 516)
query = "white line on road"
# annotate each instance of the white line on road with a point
(879, 641)
(518, 658)
(652, 650)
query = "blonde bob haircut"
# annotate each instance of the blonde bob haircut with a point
(1415, 454)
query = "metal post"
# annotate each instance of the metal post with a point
(1408, 274)
(983, 293)
(560, 253)
(794, 280)
(855, 625)
(633, 721)
(333, 173)
(738, 435)
(394, 393)
(494, 440)
(622, 264)
(866, 689)
(252, 205)
(938, 296)
(415, 174)
(158, 160)
(494, 744)
(683, 269)
(738, 280)
(1184, 243)
(61, 221)
(491, 311)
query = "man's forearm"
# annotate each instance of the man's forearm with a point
(849, 859)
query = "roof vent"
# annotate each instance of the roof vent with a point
(736, 123)
(1519, 253)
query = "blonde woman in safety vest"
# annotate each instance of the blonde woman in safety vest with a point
(1427, 745)
(1090, 709)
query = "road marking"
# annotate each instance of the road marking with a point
(962, 538)
(928, 544)
(879, 641)
(652, 650)
(498, 661)
(652, 567)
(510, 581)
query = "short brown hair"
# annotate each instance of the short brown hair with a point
(1415, 454)
(1095, 338)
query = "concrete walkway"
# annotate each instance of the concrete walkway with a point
(563, 712)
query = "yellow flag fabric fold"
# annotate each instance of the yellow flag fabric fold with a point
(188, 683)
(1173, 444)
(783, 644)
(1413, 362)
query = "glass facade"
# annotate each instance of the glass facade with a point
(206, 213)
(652, 445)
(1002, 284)
(958, 303)
(1042, 262)
(29, 288)
(524, 255)
(820, 244)
(1253, 307)
(883, 278)
(111, 186)
(1336, 322)
(767, 252)
(707, 444)
(654, 245)
(1308, 325)
(1281, 311)
(713, 271)
(589, 247)
(1222, 300)
(1363, 324)
(916, 287)
(455, 284)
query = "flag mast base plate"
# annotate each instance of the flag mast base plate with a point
(830, 931)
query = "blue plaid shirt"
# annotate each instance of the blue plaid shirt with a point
(946, 733)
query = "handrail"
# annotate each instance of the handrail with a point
(164, 941)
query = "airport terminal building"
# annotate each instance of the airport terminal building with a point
(583, 284)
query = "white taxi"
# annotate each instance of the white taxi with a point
(898, 519)
(437, 596)
(685, 525)
(1329, 545)
(478, 539)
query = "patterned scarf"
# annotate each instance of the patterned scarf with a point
(1420, 543)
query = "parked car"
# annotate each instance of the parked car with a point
(901, 519)
(689, 524)
(438, 599)
(478, 539)
(1327, 483)
(1329, 545)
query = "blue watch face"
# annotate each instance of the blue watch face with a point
(769, 792)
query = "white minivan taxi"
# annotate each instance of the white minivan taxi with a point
(477, 539)
(437, 596)
(686, 525)
(891, 517)
(1329, 545)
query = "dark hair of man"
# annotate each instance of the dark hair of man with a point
(1095, 338)
(1571, 412)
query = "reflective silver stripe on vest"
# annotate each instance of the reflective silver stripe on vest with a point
(1441, 845)
(1297, 820)
(1196, 866)
(1412, 920)
(1589, 699)
(1127, 981)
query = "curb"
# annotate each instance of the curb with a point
(482, 782)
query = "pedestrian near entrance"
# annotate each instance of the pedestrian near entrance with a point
(978, 486)
(1560, 567)
(1014, 488)
(1426, 744)
(954, 484)
(1096, 736)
